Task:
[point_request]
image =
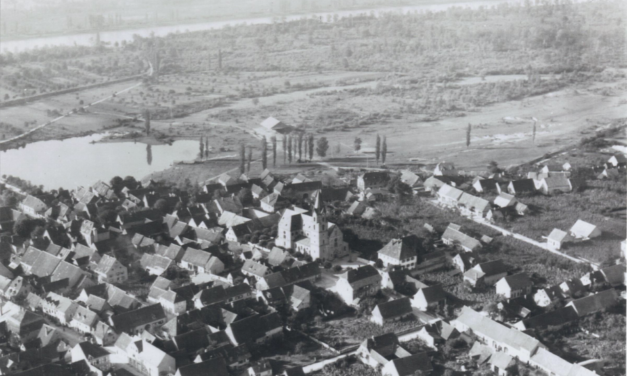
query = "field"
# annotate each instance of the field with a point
(396, 75)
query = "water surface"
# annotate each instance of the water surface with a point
(77, 162)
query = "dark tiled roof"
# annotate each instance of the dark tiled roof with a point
(395, 308)
(128, 321)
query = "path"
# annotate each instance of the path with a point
(523, 238)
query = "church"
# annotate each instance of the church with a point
(310, 233)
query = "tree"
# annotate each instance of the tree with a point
(377, 150)
(310, 142)
(493, 167)
(206, 147)
(384, 149)
(357, 144)
(116, 183)
(250, 158)
(130, 182)
(147, 121)
(245, 196)
(533, 137)
(468, 135)
(264, 153)
(149, 154)
(322, 147)
(300, 145)
(284, 149)
(161, 205)
(242, 158)
(289, 149)
(273, 140)
(202, 147)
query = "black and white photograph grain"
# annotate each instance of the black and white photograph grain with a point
(313, 187)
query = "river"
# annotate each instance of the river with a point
(127, 35)
(79, 162)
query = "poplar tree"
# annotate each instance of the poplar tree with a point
(273, 139)
(242, 158)
(384, 149)
(377, 150)
(264, 153)
(468, 135)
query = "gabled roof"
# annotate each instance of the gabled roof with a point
(361, 273)
(457, 237)
(196, 257)
(473, 202)
(517, 281)
(93, 351)
(277, 256)
(490, 268)
(504, 200)
(614, 275)
(432, 294)
(557, 317)
(582, 228)
(130, 320)
(399, 249)
(254, 268)
(523, 185)
(395, 308)
(449, 192)
(594, 303)
(375, 177)
(412, 365)
(215, 366)
(487, 184)
(36, 204)
(410, 178)
(558, 235)
(106, 263)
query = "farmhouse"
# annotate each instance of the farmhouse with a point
(449, 196)
(514, 286)
(429, 298)
(594, 303)
(617, 160)
(454, 237)
(136, 321)
(391, 311)
(110, 270)
(553, 184)
(464, 261)
(399, 252)
(522, 186)
(417, 364)
(505, 200)
(486, 273)
(378, 351)
(583, 230)
(358, 283)
(557, 238)
(445, 169)
(474, 207)
(482, 185)
(33, 206)
(275, 125)
(255, 329)
(372, 180)
(199, 262)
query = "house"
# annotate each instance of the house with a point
(505, 200)
(555, 318)
(372, 180)
(497, 336)
(253, 268)
(429, 298)
(393, 310)
(59, 307)
(486, 273)
(148, 359)
(377, 351)
(617, 160)
(260, 368)
(548, 297)
(614, 275)
(221, 294)
(464, 261)
(302, 273)
(502, 364)
(95, 355)
(110, 270)
(482, 185)
(358, 283)
(553, 365)
(411, 179)
(572, 288)
(277, 256)
(198, 262)
(522, 186)
(514, 286)
(474, 207)
(311, 234)
(275, 125)
(84, 320)
(449, 196)
(269, 202)
(399, 252)
(255, 329)
(553, 185)
(33, 206)
(594, 303)
(445, 169)
(454, 237)
(610, 173)
(557, 238)
(582, 230)
(417, 364)
(25, 324)
(155, 264)
(215, 366)
(138, 320)
(521, 209)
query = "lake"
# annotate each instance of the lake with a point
(127, 35)
(77, 162)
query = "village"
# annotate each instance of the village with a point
(255, 273)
